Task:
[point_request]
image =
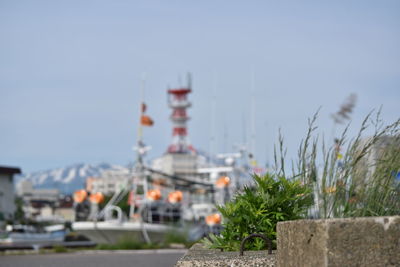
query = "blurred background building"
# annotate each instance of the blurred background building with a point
(7, 205)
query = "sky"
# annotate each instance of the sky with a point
(70, 74)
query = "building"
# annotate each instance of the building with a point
(37, 200)
(29, 194)
(7, 197)
(382, 157)
(109, 182)
(184, 165)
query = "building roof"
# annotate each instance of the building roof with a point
(9, 170)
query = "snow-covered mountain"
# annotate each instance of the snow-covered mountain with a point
(68, 179)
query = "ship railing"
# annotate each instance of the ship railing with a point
(109, 213)
(117, 197)
(161, 213)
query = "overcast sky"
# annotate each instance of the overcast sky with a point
(70, 73)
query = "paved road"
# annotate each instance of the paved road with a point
(132, 258)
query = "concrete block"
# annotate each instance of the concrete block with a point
(367, 241)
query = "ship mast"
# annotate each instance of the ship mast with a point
(141, 149)
(253, 115)
(142, 108)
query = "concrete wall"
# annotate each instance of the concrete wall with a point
(367, 241)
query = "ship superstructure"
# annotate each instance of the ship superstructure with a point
(179, 103)
(180, 158)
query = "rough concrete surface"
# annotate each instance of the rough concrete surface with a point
(198, 256)
(368, 241)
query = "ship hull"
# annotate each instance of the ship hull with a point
(33, 239)
(113, 232)
(28, 235)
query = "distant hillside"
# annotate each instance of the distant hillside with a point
(67, 179)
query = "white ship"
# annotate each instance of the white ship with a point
(28, 234)
(177, 191)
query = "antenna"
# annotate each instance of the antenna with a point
(225, 137)
(213, 111)
(144, 74)
(266, 145)
(253, 115)
(142, 106)
(189, 80)
(244, 137)
(141, 109)
(179, 80)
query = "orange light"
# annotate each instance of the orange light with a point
(80, 196)
(153, 194)
(175, 197)
(96, 198)
(223, 181)
(213, 219)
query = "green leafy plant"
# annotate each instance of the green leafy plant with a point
(258, 209)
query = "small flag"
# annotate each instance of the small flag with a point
(146, 121)
(144, 107)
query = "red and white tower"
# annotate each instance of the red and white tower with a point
(178, 102)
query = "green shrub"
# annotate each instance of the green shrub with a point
(258, 209)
